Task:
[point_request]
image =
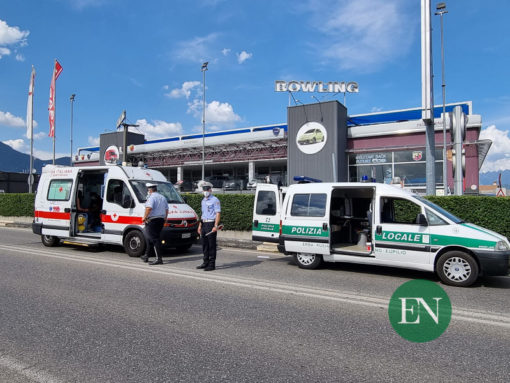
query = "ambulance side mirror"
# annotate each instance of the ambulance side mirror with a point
(422, 220)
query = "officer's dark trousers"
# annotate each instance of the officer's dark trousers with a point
(208, 243)
(152, 233)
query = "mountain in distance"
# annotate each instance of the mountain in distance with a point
(13, 161)
(490, 177)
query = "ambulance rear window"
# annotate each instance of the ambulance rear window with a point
(59, 190)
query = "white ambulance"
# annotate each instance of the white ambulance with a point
(106, 204)
(375, 224)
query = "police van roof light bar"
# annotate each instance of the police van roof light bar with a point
(305, 179)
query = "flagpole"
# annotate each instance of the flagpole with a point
(54, 118)
(30, 176)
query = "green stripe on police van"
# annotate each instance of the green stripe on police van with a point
(304, 231)
(434, 239)
(266, 227)
(445, 240)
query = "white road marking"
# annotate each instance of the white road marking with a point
(32, 372)
(466, 315)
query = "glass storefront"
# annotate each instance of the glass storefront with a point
(408, 166)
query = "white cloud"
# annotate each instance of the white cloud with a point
(4, 52)
(44, 155)
(198, 49)
(17, 144)
(184, 90)
(218, 115)
(498, 157)
(40, 135)
(94, 141)
(21, 146)
(225, 51)
(20, 57)
(159, 129)
(359, 34)
(11, 35)
(243, 56)
(8, 119)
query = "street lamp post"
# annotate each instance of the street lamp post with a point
(441, 10)
(72, 103)
(204, 68)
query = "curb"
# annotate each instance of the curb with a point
(227, 242)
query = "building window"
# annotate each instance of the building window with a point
(407, 165)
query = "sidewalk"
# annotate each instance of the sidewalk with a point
(227, 238)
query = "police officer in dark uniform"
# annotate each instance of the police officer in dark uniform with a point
(208, 226)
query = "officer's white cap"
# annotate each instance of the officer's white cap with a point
(151, 185)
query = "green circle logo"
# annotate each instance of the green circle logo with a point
(420, 311)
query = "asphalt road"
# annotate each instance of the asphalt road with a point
(71, 314)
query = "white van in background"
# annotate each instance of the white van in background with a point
(375, 224)
(66, 208)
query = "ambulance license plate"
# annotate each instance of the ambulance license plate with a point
(186, 235)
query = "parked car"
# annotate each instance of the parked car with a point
(217, 181)
(252, 184)
(233, 184)
(185, 186)
(311, 136)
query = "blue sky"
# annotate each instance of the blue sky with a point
(145, 58)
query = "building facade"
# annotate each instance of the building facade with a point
(383, 147)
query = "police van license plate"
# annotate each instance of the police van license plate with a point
(186, 235)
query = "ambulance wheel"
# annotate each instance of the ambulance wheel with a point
(308, 261)
(134, 243)
(49, 240)
(457, 268)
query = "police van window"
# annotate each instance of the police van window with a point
(266, 203)
(308, 205)
(434, 219)
(59, 190)
(398, 210)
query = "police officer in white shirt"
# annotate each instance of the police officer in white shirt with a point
(207, 228)
(156, 212)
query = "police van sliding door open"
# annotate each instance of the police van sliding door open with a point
(351, 220)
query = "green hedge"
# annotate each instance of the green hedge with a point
(236, 209)
(490, 212)
(17, 204)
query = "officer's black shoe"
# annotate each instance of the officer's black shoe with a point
(144, 259)
(156, 262)
(202, 266)
(210, 267)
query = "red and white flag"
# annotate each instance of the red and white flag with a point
(51, 107)
(30, 105)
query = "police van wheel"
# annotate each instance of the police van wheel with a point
(308, 261)
(134, 243)
(456, 268)
(49, 240)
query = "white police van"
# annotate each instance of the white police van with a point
(375, 224)
(121, 193)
